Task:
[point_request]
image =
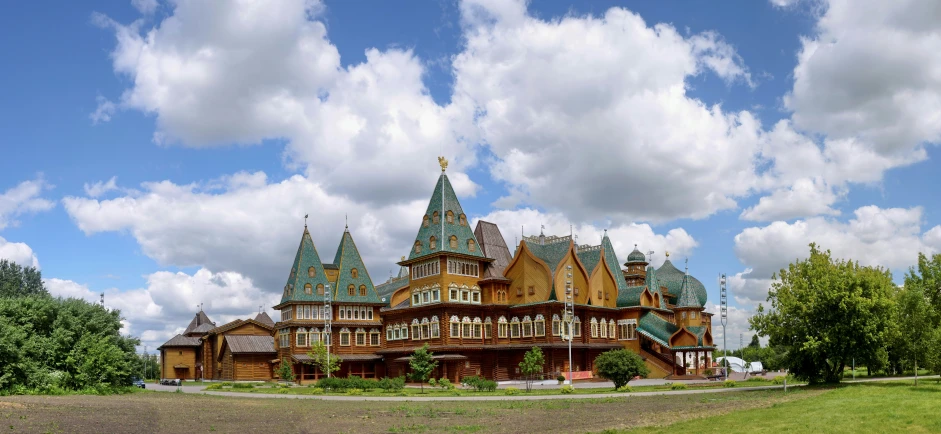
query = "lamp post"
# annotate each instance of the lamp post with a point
(724, 316)
(328, 311)
(569, 317)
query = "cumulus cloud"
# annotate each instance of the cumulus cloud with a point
(145, 7)
(804, 197)
(892, 104)
(736, 328)
(19, 253)
(99, 188)
(167, 304)
(215, 74)
(888, 237)
(578, 107)
(244, 223)
(103, 111)
(623, 236)
(23, 199)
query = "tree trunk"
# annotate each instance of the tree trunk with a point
(916, 371)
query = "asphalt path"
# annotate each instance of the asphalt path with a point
(199, 390)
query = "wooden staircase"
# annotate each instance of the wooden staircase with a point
(659, 363)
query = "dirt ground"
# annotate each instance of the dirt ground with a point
(153, 412)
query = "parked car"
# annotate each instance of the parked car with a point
(170, 382)
(137, 382)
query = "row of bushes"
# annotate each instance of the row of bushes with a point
(480, 384)
(355, 382)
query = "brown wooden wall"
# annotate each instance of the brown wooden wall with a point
(174, 356)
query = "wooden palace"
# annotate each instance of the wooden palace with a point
(477, 305)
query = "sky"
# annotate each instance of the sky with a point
(164, 153)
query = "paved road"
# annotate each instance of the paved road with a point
(199, 389)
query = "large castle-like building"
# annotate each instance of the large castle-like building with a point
(477, 305)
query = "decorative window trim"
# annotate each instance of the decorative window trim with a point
(515, 328)
(461, 267)
(556, 325)
(345, 337)
(426, 268)
(539, 326)
(628, 329)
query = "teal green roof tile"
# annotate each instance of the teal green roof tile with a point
(636, 256)
(611, 258)
(386, 289)
(630, 296)
(305, 258)
(443, 200)
(672, 278)
(347, 258)
(699, 331)
(653, 284)
(656, 328)
(590, 259)
(551, 253)
(687, 297)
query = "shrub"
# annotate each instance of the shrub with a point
(511, 391)
(391, 384)
(471, 381)
(778, 380)
(678, 386)
(561, 378)
(243, 386)
(284, 391)
(432, 382)
(226, 384)
(567, 389)
(620, 366)
(708, 372)
(214, 387)
(283, 386)
(445, 384)
(354, 392)
(625, 388)
(755, 380)
(316, 391)
(333, 384)
(355, 382)
(729, 383)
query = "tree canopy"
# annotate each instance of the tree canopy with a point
(18, 281)
(825, 312)
(318, 356)
(620, 366)
(422, 364)
(532, 364)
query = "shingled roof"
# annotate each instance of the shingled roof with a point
(630, 296)
(244, 344)
(443, 200)
(687, 298)
(672, 278)
(387, 288)
(181, 341)
(305, 259)
(347, 258)
(493, 246)
(611, 258)
(264, 319)
(199, 319)
(656, 328)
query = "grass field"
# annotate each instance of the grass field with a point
(873, 407)
(582, 389)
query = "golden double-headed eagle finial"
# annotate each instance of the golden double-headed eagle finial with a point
(443, 162)
(668, 254)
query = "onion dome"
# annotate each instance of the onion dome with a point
(636, 256)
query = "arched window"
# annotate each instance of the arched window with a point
(449, 216)
(417, 246)
(320, 289)
(433, 242)
(478, 328)
(424, 221)
(612, 330)
(453, 242)
(502, 327)
(471, 246)
(311, 272)
(435, 327)
(301, 337)
(307, 289)
(603, 328)
(355, 273)
(425, 329)
(594, 328)
(488, 325)
(462, 219)
(556, 325)
(527, 327)
(362, 290)
(344, 337)
(577, 327)
(467, 332)
(539, 326)
(435, 218)
(351, 290)
(515, 327)
(455, 326)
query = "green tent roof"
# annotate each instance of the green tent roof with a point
(443, 200)
(630, 296)
(346, 259)
(672, 278)
(305, 258)
(656, 328)
(687, 298)
(611, 258)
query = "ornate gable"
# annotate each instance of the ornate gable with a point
(352, 272)
(307, 269)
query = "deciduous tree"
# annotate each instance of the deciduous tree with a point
(17, 281)
(422, 364)
(824, 312)
(532, 364)
(318, 356)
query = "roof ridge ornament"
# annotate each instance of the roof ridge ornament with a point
(443, 162)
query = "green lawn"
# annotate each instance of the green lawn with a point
(436, 392)
(864, 407)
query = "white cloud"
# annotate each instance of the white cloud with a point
(23, 199)
(145, 7)
(888, 237)
(99, 188)
(242, 223)
(103, 112)
(167, 304)
(216, 74)
(623, 236)
(737, 327)
(804, 197)
(19, 253)
(869, 73)
(579, 107)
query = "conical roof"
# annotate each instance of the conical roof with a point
(264, 319)
(687, 297)
(611, 259)
(672, 278)
(306, 269)
(347, 260)
(443, 200)
(200, 319)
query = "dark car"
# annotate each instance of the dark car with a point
(137, 382)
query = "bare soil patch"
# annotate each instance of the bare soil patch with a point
(172, 413)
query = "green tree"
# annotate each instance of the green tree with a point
(620, 366)
(422, 364)
(914, 322)
(754, 342)
(928, 278)
(286, 370)
(532, 364)
(825, 312)
(318, 356)
(17, 281)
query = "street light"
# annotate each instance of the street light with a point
(328, 311)
(569, 317)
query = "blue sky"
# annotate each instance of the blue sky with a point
(731, 133)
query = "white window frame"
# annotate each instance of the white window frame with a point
(427, 268)
(462, 267)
